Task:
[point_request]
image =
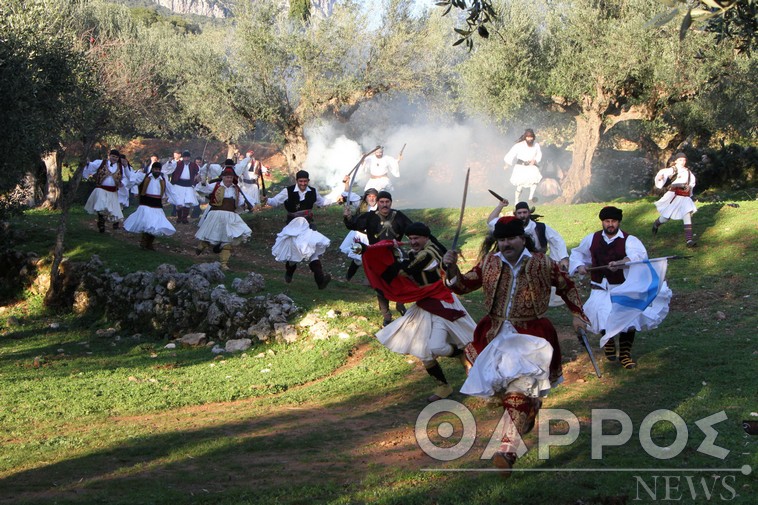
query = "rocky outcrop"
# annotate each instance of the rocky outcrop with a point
(169, 303)
(208, 8)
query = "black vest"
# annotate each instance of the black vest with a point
(602, 254)
(294, 204)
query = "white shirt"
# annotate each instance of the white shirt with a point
(380, 167)
(282, 196)
(93, 166)
(522, 151)
(556, 246)
(581, 255)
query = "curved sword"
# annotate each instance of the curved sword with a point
(355, 172)
(463, 208)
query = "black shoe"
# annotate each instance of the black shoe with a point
(691, 243)
(217, 248)
(655, 229)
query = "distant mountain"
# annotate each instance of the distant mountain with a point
(207, 8)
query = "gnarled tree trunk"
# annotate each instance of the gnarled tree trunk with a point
(576, 182)
(53, 191)
(295, 148)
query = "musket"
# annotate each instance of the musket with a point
(263, 183)
(354, 172)
(400, 156)
(583, 339)
(625, 265)
(499, 198)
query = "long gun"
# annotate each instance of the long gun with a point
(582, 335)
(263, 183)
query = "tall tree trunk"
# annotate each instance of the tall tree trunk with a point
(53, 165)
(576, 182)
(53, 295)
(295, 148)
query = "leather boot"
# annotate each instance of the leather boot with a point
(523, 413)
(384, 308)
(443, 389)
(201, 247)
(289, 271)
(322, 279)
(224, 255)
(626, 339)
(610, 349)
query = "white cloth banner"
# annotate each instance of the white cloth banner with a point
(629, 300)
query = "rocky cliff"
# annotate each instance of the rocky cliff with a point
(209, 8)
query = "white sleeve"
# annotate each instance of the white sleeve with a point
(557, 245)
(537, 153)
(91, 168)
(580, 255)
(279, 199)
(511, 156)
(393, 166)
(136, 178)
(322, 201)
(241, 167)
(169, 167)
(635, 251)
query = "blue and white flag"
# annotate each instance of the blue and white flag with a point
(629, 300)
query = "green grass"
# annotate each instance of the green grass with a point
(106, 420)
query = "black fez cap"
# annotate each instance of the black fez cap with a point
(186, 153)
(302, 174)
(522, 205)
(680, 155)
(507, 227)
(610, 212)
(156, 164)
(114, 152)
(419, 229)
(371, 191)
(229, 162)
(384, 194)
(228, 171)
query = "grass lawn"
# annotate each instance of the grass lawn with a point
(123, 420)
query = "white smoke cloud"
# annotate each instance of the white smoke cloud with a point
(437, 153)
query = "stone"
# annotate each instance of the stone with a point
(319, 331)
(285, 332)
(193, 339)
(253, 283)
(238, 345)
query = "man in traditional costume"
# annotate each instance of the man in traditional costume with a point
(611, 248)
(524, 157)
(437, 324)
(183, 179)
(222, 227)
(515, 352)
(384, 223)
(348, 246)
(299, 240)
(677, 202)
(379, 167)
(546, 239)
(149, 218)
(249, 169)
(109, 175)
